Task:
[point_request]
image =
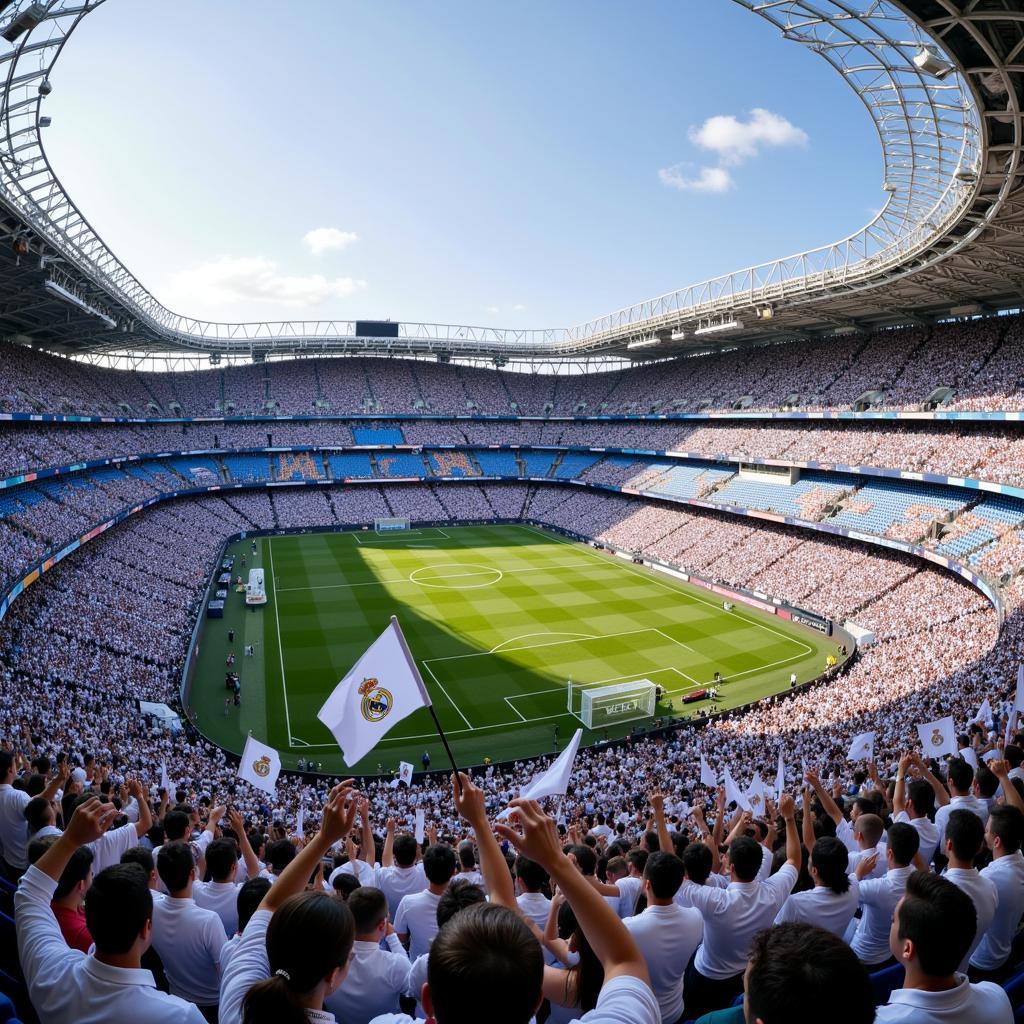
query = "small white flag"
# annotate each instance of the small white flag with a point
(780, 777)
(421, 818)
(405, 772)
(165, 779)
(733, 793)
(300, 821)
(984, 715)
(554, 781)
(968, 754)
(707, 776)
(1018, 702)
(393, 783)
(862, 748)
(1008, 734)
(938, 737)
(382, 688)
(260, 765)
(756, 794)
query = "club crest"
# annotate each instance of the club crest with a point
(377, 702)
(936, 737)
(262, 766)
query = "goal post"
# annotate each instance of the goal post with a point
(391, 524)
(598, 707)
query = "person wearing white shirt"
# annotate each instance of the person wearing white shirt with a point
(965, 837)
(220, 894)
(13, 826)
(178, 829)
(879, 896)
(399, 875)
(914, 802)
(250, 895)
(530, 880)
(868, 834)
(467, 863)
(1004, 834)
(376, 977)
(620, 872)
(832, 902)
(67, 986)
(932, 930)
(961, 781)
(416, 920)
(732, 916)
(667, 934)
(187, 938)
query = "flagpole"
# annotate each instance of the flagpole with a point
(430, 704)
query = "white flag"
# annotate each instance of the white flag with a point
(421, 818)
(1018, 703)
(756, 794)
(862, 748)
(968, 754)
(707, 776)
(733, 793)
(260, 765)
(165, 779)
(555, 780)
(1007, 735)
(382, 688)
(780, 777)
(938, 737)
(405, 772)
(300, 820)
(984, 714)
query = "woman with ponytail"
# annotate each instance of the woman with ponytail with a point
(295, 949)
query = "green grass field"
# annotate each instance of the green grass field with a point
(497, 617)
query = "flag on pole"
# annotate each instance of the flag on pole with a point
(555, 780)
(938, 737)
(383, 687)
(421, 820)
(984, 714)
(968, 754)
(405, 772)
(862, 748)
(780, 777)
(1011, 715)
(260, 765)
(300, 821)
(707, 776)
(165, 779)
(756, 794)
(733, 793)
(1018, 701)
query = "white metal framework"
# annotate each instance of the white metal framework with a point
(941, 80)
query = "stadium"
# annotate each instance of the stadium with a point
(726, 532)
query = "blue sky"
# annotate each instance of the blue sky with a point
(469, 163)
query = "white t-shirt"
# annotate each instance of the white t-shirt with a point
(927, 833)
(878, 899)
(417, 917)
(1007, 874)
(629, 892)
(984, 897)
(396, 882)
(958, 803)
(13, 826)
(376, 978)
(822, 907)
(667, 937)
(188, 941)
(222, 899)
(984, 1003)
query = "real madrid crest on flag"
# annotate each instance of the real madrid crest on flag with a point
(260, 765)
(938, 737)
(376, 702)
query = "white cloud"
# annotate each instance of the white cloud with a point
(228, 280)
(710, 179)
(735, 140)
(325, 239)
(518, 308)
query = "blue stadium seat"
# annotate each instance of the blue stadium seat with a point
(8, 1011)
(885, 982)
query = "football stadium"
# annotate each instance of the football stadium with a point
(363, 659)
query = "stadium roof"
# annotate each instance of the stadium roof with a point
(942, 80)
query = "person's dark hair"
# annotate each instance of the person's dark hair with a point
(176, 825)
(745, 857)
(35, 784)
(665, 873)
(250, 896)
(467, 855)
(698, 861)
(37, 813)
(531, 874)
(961, 774)
(638, 858)
(117, 906)
(1014, 755)
(221, 857)
(904, 842)
(815, 964)
(460, 894)
(923, 796)
(404, 850)
(440, 863)
(141, 856)
(871, 827)
(585, 858)
(483, 950)
(1007, 823)
(280, 854)
(587, 974)
(77, 870)
(652, 841)
(309, 935)
(617, 864)
(173, 864)
(345, 883)
(37, 847)
(966, 833)
(831, 860)
(369, 907)
(987, 782)
(940, 919)
(6, 761)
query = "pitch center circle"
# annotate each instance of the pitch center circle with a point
(456, 576)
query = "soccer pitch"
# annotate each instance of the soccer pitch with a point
(498, 618)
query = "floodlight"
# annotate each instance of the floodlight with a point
(24, 22)
(727, 325)
(679, 335)
(931, 63)
(644, 342)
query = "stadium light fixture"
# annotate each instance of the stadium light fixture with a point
(764, 312)
(931, 63)
(24, 22)
(45, 122)
(60, 292)
(727, 325)
(679, 335)
(644, 342)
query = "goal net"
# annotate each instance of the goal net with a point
(391, 524)
(598, 707)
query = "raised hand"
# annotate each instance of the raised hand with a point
(339, 812)
(469, 801)
(236, 821)
(90, 821)
(538, 839)
(787, 806)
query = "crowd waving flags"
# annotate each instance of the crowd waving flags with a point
(260, 765)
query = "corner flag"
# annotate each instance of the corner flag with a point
(382, 688)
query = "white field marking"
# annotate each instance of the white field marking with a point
(514, 709)
(533, 647)
(673, 590)
(280, 646)
(339, 586)
(469, 728)
(610, 679)
(481, 570)
(511, 640)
